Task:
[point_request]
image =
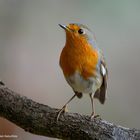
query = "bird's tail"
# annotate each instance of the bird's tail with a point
(101, 95)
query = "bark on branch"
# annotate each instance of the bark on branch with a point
(40, 119)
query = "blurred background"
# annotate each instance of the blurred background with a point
(30, 46)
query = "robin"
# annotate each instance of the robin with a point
(83, 65)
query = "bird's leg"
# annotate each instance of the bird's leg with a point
(92, 105)
(64, 107)
(93, 115)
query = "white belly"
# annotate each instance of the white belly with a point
(79, 84)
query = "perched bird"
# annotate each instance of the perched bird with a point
(83, 64)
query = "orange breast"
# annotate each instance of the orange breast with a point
(81, 57)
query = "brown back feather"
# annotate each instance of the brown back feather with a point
(101, 92)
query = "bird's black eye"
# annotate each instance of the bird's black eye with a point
(81, 31)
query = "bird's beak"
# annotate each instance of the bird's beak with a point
(64, 27)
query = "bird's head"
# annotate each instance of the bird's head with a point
(78, 34)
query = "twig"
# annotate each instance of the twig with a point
(40, 119)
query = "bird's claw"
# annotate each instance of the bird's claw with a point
(61, 111)
(94, 116)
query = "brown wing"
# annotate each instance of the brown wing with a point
(101, 92)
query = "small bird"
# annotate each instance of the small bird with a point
(83, 65)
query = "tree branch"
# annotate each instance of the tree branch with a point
(40, 119)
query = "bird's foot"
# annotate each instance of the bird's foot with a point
(63, 110)
(93, 115)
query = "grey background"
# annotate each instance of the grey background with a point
(30, 46)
